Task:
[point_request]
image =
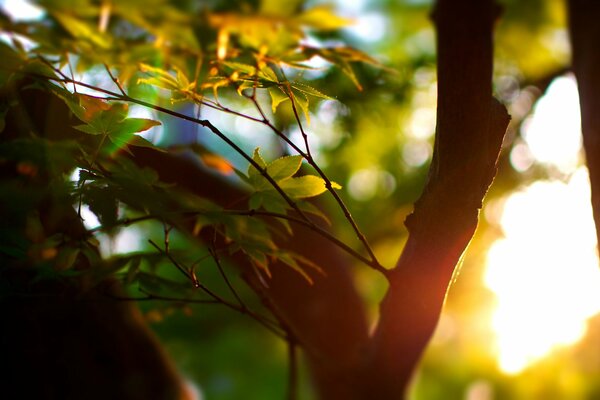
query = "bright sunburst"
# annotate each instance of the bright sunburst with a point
(544, 272)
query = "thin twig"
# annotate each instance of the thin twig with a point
(315, 228)
(253, 213)
(215, 257)
(308, 157)
(181, 269)
(124, 222)
(205, 123)
(272, 326)
(167, 231)
(292, 369)
(373, 262)
(297, 117)
(115, 80)
(328, 183)
(71, 71)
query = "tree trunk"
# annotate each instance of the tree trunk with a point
(584, 17)
(470, 129)
(64, 338)
(328, 318)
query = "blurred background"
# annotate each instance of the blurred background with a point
(521, 319)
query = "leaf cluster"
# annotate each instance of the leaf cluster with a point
(126, 53)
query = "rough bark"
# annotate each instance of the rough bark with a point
(585, 43)
(470, 129)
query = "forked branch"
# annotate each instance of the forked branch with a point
(470, 129)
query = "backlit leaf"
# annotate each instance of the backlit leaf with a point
(277, 97)
(82, 30)
(139, 141)
(301, 101)
(303, 186)
(133, 125)
(323, 18)
(310, 90)
(284, 167)
(252, 171)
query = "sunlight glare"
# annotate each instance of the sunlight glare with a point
(544, 272)
(22, 10)
(553, 132)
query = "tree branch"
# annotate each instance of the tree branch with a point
(327, 318)
(470, 129)
(585, 42)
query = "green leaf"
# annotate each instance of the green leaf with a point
(288, 260)
(323, 17)
(89, 129)
(301, 101)
(284, 167)
(81, 30)
(11, 60)
(242, 176)
(139, 141)
(310, 208)
(181, 78)
(133, 125)
(255, 201)
(278, 96)
(161, 78)
(134, 268)
(280, 8)
(303, 186)
(102, 202)
(252, 171)
(86, 108)
(239, 67)
(274, 203)
(310, 90)
(259, 259)
(267, 73)
(160, 82)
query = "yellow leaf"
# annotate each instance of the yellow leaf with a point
(323, 18)
(277, 97)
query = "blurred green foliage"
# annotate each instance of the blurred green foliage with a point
(372, 120)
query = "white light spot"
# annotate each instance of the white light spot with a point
(554, 132)
(367, 183)
(521, 158)
(422, 123)
(545, 272)
(90, 221)
(416, 153)
(369, 27)
(22, 10)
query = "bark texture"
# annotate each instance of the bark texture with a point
(470, 129)
(585, 43)
(328, 319)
